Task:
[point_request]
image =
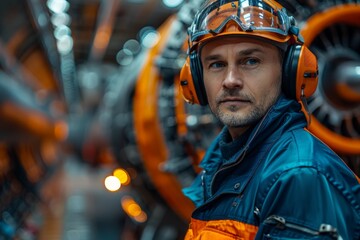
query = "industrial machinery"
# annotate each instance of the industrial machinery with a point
(32, 109)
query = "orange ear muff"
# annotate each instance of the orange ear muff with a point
(307, 74)
(300, 72)
(187, 87)
(192, 82)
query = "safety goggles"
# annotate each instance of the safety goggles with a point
(250, 15)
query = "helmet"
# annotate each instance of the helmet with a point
(263, 19)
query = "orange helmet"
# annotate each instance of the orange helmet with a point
(259, 18)
(263, 19)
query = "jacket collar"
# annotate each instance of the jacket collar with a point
(284, 114)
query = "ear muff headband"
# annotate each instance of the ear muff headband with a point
(197, 72)
(289, 71)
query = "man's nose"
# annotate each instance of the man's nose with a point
(233, 78)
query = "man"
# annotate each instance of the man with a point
(265, 176)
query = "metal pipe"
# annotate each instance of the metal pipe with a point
(103, 32)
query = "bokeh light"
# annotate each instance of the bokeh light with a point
(122, 175)
(112, 183)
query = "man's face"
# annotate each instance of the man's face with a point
(242, 78)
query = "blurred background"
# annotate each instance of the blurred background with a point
(95, 139)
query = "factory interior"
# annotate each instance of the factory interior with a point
(96, 141)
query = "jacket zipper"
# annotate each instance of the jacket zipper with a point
(242, 156)
(227, 167)
(325, 229)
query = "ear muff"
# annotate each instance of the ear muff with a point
(300, 72)
(191, 81)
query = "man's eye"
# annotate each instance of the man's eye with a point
(216, 65)
(251, 61)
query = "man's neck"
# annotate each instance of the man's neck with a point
(236, 132)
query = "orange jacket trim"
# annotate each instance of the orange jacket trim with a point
(220, 230)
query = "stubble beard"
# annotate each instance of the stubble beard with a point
(233, 117)
(235, 120)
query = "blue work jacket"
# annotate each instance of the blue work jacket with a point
(276, 182)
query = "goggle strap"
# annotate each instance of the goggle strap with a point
(296, 32)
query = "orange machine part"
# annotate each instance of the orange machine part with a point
(347, 13)
(338, 143)
(32, 122)
(149, 135)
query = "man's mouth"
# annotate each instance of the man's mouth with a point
(235, 100)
